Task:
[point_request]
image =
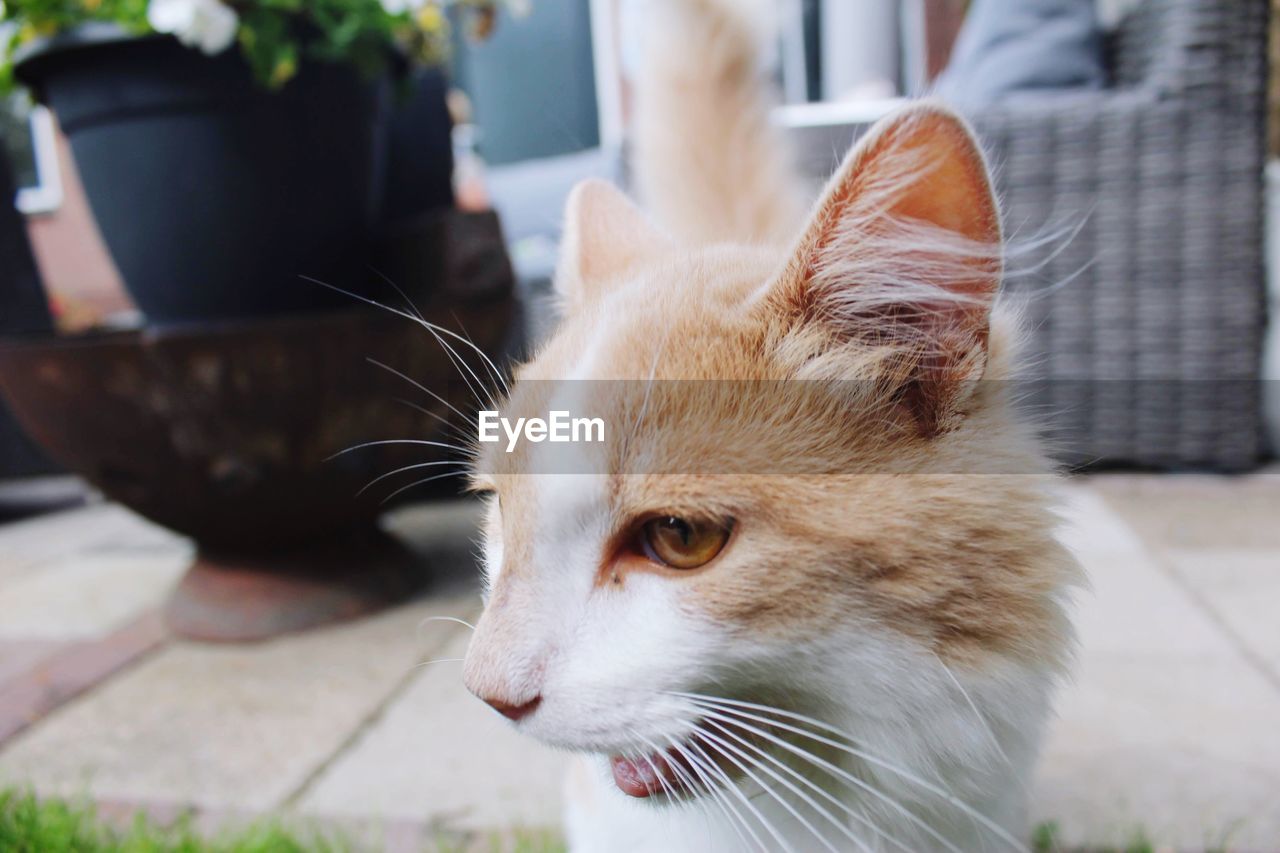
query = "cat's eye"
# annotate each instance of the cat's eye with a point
(683, 543)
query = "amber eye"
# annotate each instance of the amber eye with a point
(683, 543)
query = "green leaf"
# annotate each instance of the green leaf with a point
(275, 36)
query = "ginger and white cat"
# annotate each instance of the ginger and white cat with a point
(829, 616)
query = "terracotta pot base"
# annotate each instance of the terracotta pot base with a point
(240, 598)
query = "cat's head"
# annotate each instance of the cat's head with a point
(833, 541)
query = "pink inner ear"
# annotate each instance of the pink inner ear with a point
(914, 197)
(941, 181)
(955, 192)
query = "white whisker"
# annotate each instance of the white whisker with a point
(950, 798)
(407, 301)
(839, 773)
(477, 389)
(434, 330)
(692, 788)
(986, 727)
(710, 788)
(721, 746)
(417, 441)
(454, 430)
(730, 706)
(422, 482)
(817, 789)
(405, 468)
(493, 368)
(734, 789)
(438, 660)
(416, 384)
(430, 327)
(648, 388)
(425, 322)
(455, 619)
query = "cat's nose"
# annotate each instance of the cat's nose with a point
(514, 712)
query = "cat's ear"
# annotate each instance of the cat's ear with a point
(902, 258)
(605, 237)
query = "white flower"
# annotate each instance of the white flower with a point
(206, 24)
(395, 7)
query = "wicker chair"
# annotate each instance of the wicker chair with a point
(1149, 353)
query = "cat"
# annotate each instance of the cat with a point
(839, 627)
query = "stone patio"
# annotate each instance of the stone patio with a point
(1172, 727)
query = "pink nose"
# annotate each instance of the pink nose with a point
(514, 712)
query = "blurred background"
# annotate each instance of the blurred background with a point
(264, 260)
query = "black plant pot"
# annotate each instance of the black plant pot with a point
(214, 194)
(419, 149)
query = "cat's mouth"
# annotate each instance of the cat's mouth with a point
(663, 772)
(692, 767)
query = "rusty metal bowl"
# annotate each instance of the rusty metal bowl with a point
(228, 433)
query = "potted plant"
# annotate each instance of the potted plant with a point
(227, 146)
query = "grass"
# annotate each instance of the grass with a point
(32, 825)
(1045, 839)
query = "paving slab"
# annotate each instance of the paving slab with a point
(1242, 588)
(73, 669)
(1167, 727)
(1131, 605)
(77, 596)
(439, 756)
(226, 727)
(18, 656)
(1197, 510)
(242, 728)
(27, 546)
(1132, 751)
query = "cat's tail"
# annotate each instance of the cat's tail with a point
(708, 163)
